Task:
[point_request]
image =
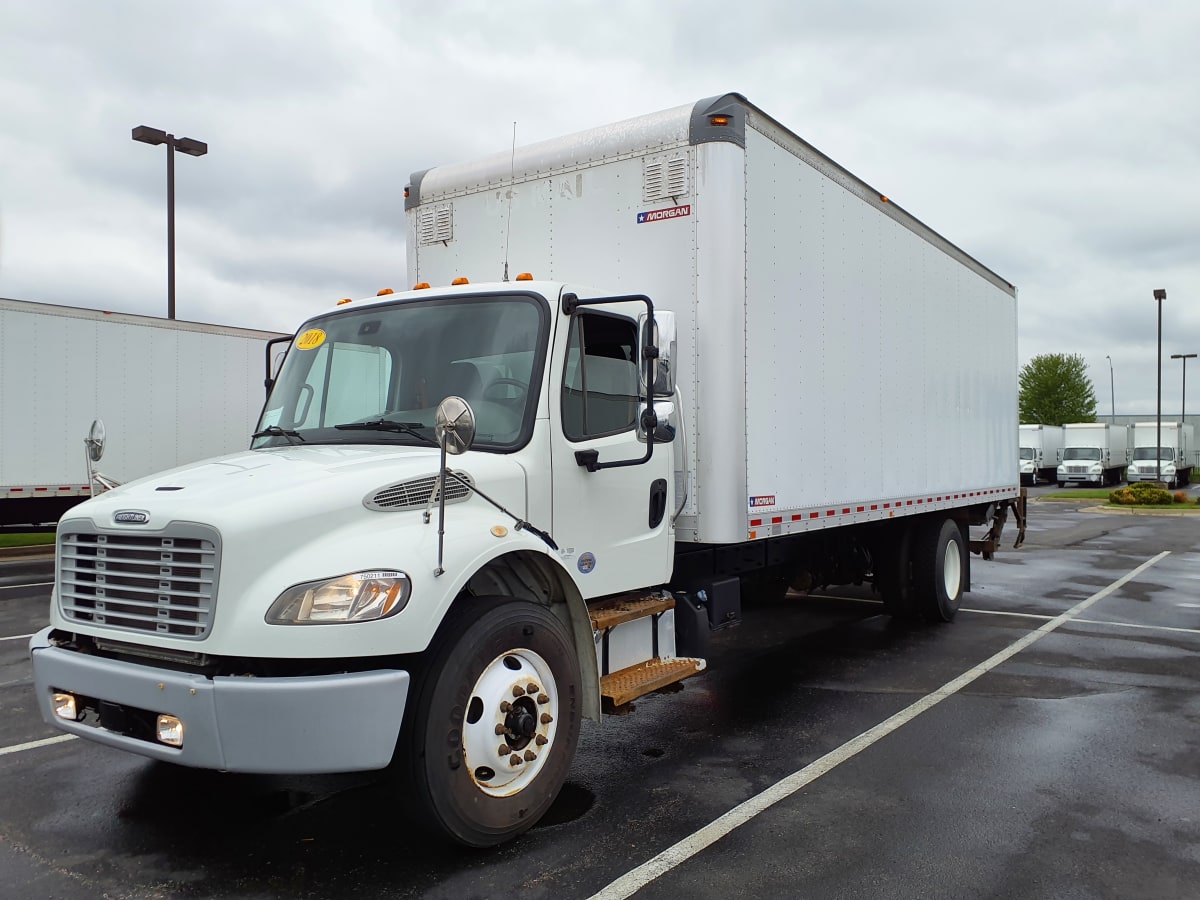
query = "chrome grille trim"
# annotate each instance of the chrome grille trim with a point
(415, 494)
(162, 583)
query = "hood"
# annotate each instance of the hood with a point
(264, 487)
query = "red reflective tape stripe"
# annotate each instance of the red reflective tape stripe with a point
(754, 523)
(861, 509)
(796, 516)
(776, 520)
(874, 506)
(831, 512)
(813, 515)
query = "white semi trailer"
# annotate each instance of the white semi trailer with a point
(1172, 464)
(786, 380)
(169, 393)
(1041, 449)
(1093, 453)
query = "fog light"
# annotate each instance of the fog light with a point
(64, 707)
(170, 731)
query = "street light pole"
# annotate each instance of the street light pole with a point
(1183, 401)
(148, 135)
(1112, 389)
(1160, 295)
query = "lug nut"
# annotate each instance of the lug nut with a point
(541, 740)
(500, 729)
(505, 750)
(530, 756)
(543, 699)
(531, 688)
(547, 718)
(514, 760)
(505, 706)
(518, 691)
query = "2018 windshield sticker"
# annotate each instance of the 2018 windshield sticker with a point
(311, 339)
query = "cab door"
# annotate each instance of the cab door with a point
(613, 524)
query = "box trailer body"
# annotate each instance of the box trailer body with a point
(492, 509)
(1093, 453)
(1174, 463)
(169, 393)
(1041, 449)
(788, 324)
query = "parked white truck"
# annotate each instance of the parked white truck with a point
(624, 460)
(1041, 449)
(169, 392)
(1172, 465)
(1093, 453)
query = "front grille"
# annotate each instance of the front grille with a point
(1077, 470)
(159, 584)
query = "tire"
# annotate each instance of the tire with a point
(476, 686)
(939, 569)
(1060, 485)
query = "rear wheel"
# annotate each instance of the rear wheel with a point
(939, 569)
(495, 721)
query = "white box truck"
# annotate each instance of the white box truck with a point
(1093, 453)
(787, 380)
(1172, 465)
(169, 392)
(1041, 449)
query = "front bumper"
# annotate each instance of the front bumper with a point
(313, 724)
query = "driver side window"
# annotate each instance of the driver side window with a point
(600, 379)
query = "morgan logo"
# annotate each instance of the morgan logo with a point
(767, 500)
(661, 215)
(131, 517)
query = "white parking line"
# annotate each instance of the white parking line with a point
(1019, 615)
(13, 587)
(664, 862)
(17, 637)
(44, 742)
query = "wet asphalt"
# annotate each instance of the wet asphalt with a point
(1070, 769)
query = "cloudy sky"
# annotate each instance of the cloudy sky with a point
(1057, 141)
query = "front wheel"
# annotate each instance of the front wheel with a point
(495, 721)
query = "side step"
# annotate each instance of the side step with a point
(635, 647)
(638, 680)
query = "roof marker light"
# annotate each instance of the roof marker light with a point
(719, 120)
(460, 280)
(383, 292)
(421, 286)
(344, 301)
(525, 276)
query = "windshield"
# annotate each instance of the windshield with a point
(1148, 453)
(1082, 453)
(390, 365)
(1026, 453)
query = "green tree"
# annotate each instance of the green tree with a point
(1055, 389)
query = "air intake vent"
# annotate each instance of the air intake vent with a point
(415, 494)
(664, 178)
(435, 225)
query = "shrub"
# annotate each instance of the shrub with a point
(1181, 497)
(1141, 494)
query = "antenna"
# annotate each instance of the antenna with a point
(512, 177)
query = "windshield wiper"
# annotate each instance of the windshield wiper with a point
(409, 428)
(276, 431)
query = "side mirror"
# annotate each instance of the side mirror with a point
(454, 425)
(661, 334)
(94, 442)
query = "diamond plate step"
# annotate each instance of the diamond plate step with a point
(610, 613)
(628, 684)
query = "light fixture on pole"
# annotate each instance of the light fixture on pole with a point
(1183, 401)
(147, 135)
(1112, 389)
(1160, 295)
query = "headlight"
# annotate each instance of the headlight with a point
(1097, 468)
(358, 597)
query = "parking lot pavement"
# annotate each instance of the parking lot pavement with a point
(1069, 767)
